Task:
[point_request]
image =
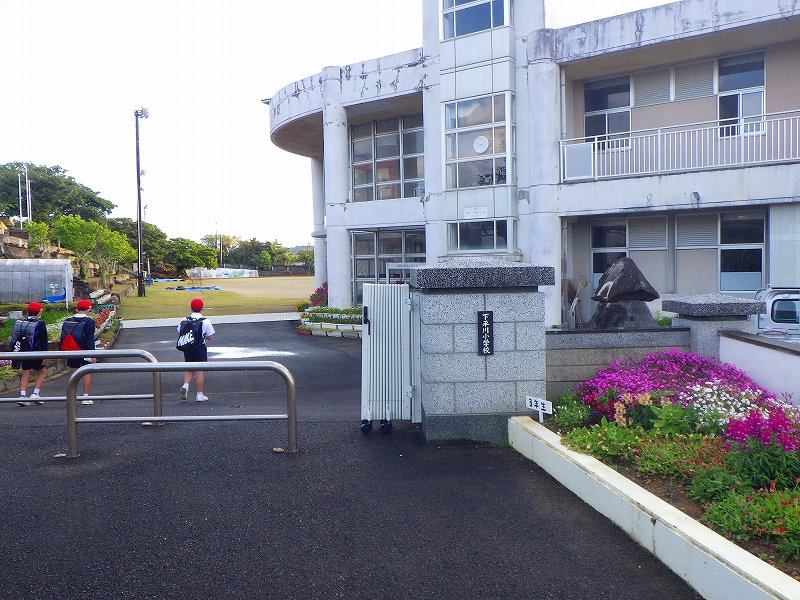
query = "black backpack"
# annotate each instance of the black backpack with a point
(191, 334)
(22, 336)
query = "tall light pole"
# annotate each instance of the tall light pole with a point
(142, 113)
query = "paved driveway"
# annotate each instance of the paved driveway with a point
(207, 510)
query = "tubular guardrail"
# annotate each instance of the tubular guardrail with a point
(64, 354)
(72, 397)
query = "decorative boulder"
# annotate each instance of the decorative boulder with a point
(622, 292)
(624, 281)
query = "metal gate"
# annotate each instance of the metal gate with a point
(389, 356)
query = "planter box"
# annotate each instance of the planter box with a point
(716, 568)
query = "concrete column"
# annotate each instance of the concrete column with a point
(544, 117)
(320, 243)
(335, 169)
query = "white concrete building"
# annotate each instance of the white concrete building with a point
(670, 135)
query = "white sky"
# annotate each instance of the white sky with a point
(77, 69)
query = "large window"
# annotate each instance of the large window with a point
(476, 142)
(387, 159)
(607, 109)
(644, 239)
(462, 17)
(741, 94)
(374, 250)
(738, 240)
(490, 235)
(609, 244)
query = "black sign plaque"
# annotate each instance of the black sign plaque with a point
(486, 333)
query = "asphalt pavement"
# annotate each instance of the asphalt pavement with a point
(208, 509)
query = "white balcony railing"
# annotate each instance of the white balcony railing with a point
(773, 138)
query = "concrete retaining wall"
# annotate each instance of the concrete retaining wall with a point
(577, 355)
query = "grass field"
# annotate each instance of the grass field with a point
(238, 297)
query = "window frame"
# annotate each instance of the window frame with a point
(744, 125)
(720, 247)
(450, 9)
(456, 226)
(375, 260)
(616, 140)
(394, 188)
(498, 127)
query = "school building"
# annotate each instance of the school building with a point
(670, 135)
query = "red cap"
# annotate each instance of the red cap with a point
(34, 308)
(197, 305)
(84, 305)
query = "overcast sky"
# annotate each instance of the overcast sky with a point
(77, 69)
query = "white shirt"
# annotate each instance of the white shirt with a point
(208, 328)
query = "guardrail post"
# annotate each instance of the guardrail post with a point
(72, 417)
(72, 413)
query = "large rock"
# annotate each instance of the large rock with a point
(631, 314)
(623, 282)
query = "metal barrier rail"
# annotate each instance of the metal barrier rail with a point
(243, 365)
(63, 354)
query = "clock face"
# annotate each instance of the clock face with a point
(481, 144)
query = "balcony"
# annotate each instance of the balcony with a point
(752, 141)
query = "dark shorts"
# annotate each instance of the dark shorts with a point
(199, 354)
(27, 365)
(74, 363)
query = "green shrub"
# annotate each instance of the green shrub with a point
(716, 483)
(606, 441)
(765, 466)
(679, 456)
(568, 412)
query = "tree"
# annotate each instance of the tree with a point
(306, 256)
(77, 235)
(38, 234)
(248, 253)
(280, 255)
(53, 194)
(265, 261)
(184, 254)
(155, 244)
(228, 242)
(111, 248)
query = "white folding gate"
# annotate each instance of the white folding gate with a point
(389, 355)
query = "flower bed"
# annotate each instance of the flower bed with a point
(331, 322)
(687, 418)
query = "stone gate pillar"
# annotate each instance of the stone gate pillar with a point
(482, 345)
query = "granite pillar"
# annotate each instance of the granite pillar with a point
(708, 314)
(468, 394)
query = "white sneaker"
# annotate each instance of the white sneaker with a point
(201, 398)
(35, 398)
(87, 402)
(183, 392)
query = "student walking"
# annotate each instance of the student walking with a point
(77, 333)
(28, 335)
(194, 330)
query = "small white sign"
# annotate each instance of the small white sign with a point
(544, 407)
(476, 212)
(539, 404)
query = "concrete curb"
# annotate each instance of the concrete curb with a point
(717, 568)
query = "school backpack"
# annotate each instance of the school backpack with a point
(22, 335)
(191, 334)
(70, 334)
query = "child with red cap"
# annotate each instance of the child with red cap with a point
(30, 334)
(198, 353)
(81, 328)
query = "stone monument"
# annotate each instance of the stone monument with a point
(622, 292)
